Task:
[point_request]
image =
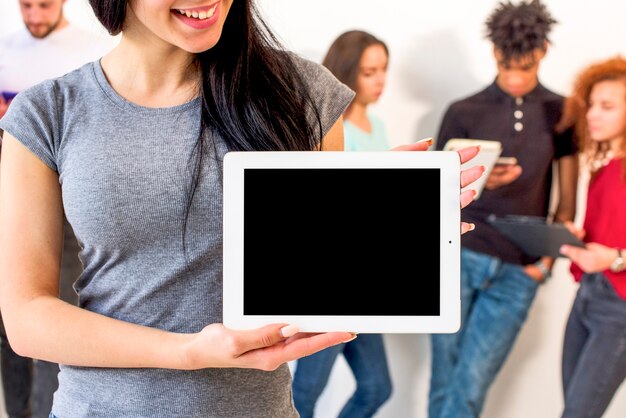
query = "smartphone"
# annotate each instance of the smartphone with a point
(506, 161)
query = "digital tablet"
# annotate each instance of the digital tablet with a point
(534, 236)
(365, 242)
(488, 155)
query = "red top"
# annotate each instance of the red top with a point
(605, 219)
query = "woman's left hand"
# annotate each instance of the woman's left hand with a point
(591, 259)
(467, 176)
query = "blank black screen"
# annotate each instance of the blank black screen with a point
(341, 242)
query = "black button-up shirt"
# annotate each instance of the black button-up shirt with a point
(525, 127)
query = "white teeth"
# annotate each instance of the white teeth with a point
(198, 15)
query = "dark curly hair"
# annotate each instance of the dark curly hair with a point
(577, 105)
(517, 30)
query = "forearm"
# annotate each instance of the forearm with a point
(49, 329)
(568, 185)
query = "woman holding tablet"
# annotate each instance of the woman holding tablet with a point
(594, 347)
(143, 195)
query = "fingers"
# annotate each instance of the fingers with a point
(578, 233)
(421, 145)
(471, 175)
(264, 337)
(501, 176)
(468, 153)
(466, 227)
(466, 197)
(307, 344)
(571, 252)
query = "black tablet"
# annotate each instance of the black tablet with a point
(534, 235)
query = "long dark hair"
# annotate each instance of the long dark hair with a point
(253, 95)
(344, 55)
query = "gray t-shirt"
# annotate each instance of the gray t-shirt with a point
(124, 171)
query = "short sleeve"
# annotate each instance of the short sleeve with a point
(449, 128)
(31, 119)
(330, 96)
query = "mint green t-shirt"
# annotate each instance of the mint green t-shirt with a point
(356, 139)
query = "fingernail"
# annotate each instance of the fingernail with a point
(289, 331)
(427, 140)
(471, 227)
(351, 339)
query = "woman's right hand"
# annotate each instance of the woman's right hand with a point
(263, 348)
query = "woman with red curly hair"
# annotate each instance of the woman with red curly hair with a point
(594, 348)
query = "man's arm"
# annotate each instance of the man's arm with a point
(568, 184)
(565, 212)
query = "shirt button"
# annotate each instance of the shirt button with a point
(518, 126)
(519, 101)
(518, 114)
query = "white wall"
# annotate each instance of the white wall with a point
(438, 53)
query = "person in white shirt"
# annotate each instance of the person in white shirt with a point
(48, 46)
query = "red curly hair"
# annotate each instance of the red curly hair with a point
(577, 105)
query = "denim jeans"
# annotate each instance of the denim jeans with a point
(594, 348)
(368, 362)
(495, 300)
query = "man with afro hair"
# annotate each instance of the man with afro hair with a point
(498, 280)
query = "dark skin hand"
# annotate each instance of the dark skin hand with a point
(502, 175)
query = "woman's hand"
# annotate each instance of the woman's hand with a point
(264, 348)
(467, 176)
(578, 233)
(591, 259)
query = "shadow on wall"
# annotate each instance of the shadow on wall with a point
(436, 73)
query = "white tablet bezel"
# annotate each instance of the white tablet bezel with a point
(488, 155)
(450, 307)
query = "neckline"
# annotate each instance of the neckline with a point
(121, 102)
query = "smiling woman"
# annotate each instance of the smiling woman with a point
(130, 148)
(184, 86)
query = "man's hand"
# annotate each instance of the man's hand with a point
(502, 175)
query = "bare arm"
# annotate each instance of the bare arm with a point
(42, 326)
(333, 141)
(568, 183)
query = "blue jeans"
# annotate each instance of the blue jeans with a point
(594, 348)
(495, 300)
(368, 362)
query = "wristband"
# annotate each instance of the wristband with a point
(544, 269)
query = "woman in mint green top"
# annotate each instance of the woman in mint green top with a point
(359, 60)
